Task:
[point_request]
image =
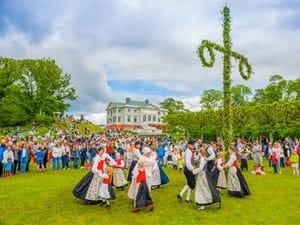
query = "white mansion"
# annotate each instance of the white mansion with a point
(133, 114)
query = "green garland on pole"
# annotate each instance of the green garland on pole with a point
(245, 70)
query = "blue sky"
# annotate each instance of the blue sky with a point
(147, 49)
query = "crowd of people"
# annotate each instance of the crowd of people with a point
(117, 159)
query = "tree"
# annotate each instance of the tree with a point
(33, 87)
(240, 94)
(211, 99)
(172, 105)
(275, 91)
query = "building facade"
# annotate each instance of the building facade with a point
(133, 114)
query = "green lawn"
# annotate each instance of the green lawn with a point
(46, 198)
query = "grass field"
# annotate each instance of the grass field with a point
(46, 198)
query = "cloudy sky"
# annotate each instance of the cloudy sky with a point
(147, 48)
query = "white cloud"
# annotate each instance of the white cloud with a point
(153, 41)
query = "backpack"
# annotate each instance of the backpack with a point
(273, 158)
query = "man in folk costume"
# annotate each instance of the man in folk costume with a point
(188, 172)
(136, 155)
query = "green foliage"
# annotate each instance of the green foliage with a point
(43, 119)
(31, 87)
(244, 69)
(46, 198)
(172, 105)
(275, 120)
(211, 99)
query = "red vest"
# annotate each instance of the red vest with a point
(100, 165)
(141, 176)
(106, 180)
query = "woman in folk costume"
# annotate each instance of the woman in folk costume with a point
(88, 187)
(150, 167)
(237, 185)
(160, 177)
(205, 191)
(135, 156)
(155, 179)
(218, 173)
(106, 191)
(141, 195)
(119, 179)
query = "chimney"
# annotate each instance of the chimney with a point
(146, 101)
(127, 99)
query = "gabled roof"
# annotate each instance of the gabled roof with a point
(129, 102)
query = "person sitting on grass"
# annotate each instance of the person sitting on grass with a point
(258, 171)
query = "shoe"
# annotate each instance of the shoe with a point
(150, 208)
(135, 209)
(188, 201)
(219, 205)
(179, 197)
(201, 207)
(107, 205)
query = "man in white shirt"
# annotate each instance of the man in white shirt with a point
(188, 172)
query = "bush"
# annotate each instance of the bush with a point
(43, 119)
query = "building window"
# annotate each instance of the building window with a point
(119, 110)
(135, 111)
(149, 118)
(128, 119)
(135, 119)
(111, 113)
(114, 119)
(114, 110)
(158, 113)
(144, 118)
(158, 119)
(154, 118)
(119, 119)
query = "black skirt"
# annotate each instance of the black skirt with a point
(143, 197)
(82, 187)
(244, 186)
(212, 187)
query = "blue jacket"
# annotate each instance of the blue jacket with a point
(2, 149)
(161, 152)
(40, 155)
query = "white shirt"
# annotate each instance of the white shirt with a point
(188, 159)
(211, 152)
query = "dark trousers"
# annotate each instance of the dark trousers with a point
(210, 165)
(1, 169)
(282, 162)
(190, 177)
(82, 160)
(244, 165)
(15, 166)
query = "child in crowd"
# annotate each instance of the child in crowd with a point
(106, 191)
(258, 171)
(142, 196)
(8, 167)
(218, 174)
(244, 157)
(119, 179)
(40, 159)
(175, 159)
(295, 165)
(180, 161)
